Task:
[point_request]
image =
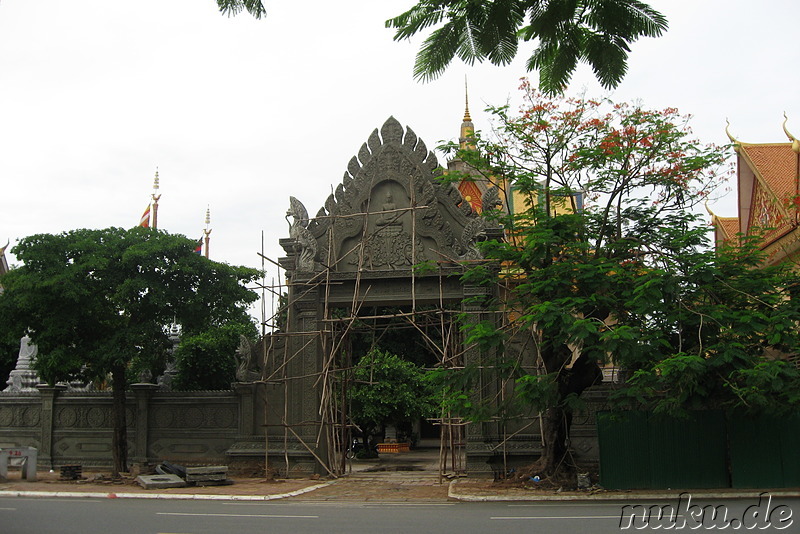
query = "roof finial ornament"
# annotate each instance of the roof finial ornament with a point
(467, 118)
(3, 248)
(708, 209)
(795, 142)
(156, 198)
(207, 231)
(736, 143)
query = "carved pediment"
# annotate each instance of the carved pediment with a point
(388, 213)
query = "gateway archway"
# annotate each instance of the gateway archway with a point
(388, 248)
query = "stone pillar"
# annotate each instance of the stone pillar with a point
(303, 384)
(247, 395)
(48, 396)
(141, 394)
(480, 437)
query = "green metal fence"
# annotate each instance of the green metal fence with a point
(765, 451)
(703, 450)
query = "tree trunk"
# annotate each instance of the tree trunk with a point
(119, 442)
(555, 433)
(557, 420)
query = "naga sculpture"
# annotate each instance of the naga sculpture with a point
(246, 362)
(298, 230)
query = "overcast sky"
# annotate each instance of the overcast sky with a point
(238, 114)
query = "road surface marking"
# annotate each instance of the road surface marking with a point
(501, 518)
(540, 505)
(409, 504)
(9, 509)
(274, 516)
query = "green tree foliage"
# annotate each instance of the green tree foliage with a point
(99, 303)
(725, 326)
(388, 390)
(605, 259)
(205, 361)
(234, 7)
(566, 32)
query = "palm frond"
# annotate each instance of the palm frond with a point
(234, 7)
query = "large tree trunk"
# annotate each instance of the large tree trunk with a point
(557, 420)
(119, 442)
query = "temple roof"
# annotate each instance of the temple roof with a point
(777, 164)
(768, 197)
(727, 228)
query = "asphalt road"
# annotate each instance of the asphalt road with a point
(133, 516)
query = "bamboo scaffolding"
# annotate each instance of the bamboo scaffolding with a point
(333, 378)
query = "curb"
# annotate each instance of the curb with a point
(453, 493)
(163, 496)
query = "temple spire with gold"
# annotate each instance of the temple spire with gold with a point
(156, 198)
(471, 187)
(467, 139)
(207, 231)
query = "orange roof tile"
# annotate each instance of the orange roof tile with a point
(777, 165)
(728, 225)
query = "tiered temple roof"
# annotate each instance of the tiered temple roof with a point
(768, 198)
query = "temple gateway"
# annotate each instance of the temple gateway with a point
(386, 252)
(380, 264)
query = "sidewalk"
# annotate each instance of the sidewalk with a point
(405, 477)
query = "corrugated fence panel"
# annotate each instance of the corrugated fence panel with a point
(765, 452)
(688, 452)
(624, 450)
(640, 450)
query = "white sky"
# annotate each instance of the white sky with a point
(239, 114)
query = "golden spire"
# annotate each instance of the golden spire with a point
(795, 142)
(467, 118)
(466, 141)
(207, 231)
(156, 198)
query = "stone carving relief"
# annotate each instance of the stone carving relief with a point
(305, 244)
(20, 416)
(388, 206)
(188, 417)
(246, 362)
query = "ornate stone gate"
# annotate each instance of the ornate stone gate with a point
(363, 250)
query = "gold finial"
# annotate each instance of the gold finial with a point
(795, 142)
(207, 232)
(736, 144)
(3, 249)
(155, 198)
(713, 215)
(467, 118)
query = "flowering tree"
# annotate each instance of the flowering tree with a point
(605, 259)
